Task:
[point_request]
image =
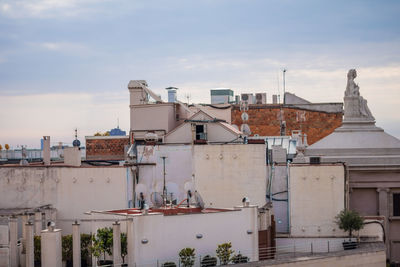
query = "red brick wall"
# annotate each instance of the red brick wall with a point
(265, 121)
(106, 149)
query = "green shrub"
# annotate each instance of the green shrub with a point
(349, 221)
(86, 240)
(187, 256)
(224, 253)
(37, 248)
(239, 258)
(208, 261)
(124, 246)
(66, 242)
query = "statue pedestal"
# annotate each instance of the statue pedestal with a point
(352, 107)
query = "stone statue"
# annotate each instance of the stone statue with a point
(355, 105)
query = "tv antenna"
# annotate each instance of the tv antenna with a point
(284, 84)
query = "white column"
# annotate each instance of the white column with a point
(51, 248)
(13, 228)
(76, 245)
(38, 222)
(24, 219)
(30, 260)
(130, 236)
(117, 259)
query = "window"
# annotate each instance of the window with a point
(396, 204)
(200, 132)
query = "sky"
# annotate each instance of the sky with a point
(66, 64)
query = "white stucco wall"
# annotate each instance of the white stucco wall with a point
(178, 167)
(180, 135)
(167, 235)
(316, 196)
(224, 174)
(217, 133)
(71, 190)
(153, 117)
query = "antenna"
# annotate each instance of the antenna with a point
(164, 187)
(118, 123)
(284, 85)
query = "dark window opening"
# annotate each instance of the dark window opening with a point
(200, 133)
(396, 204)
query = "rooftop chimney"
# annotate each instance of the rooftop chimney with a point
(46, 150)
(171, 94)
(72, 156)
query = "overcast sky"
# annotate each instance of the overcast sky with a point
(67, 63)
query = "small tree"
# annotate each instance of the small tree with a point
(6, 146)
(349, 221)
(102, 242)
(224, 253)
(186, 256)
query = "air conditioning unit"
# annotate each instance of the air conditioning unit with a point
(261, 98)
(247, 98)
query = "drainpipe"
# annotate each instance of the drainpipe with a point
(288, 196)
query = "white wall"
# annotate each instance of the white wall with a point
(217, 133)
(178, 167)
(316, 196)
(72, 191)
(224, 174)
(180, 135)
(153, 117)
(167, 235)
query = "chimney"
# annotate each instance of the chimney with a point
(72, 156)
(46, 150)
(171, 94)
(274, 99)
(138, 96)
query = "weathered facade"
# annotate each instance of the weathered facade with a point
(265, 120)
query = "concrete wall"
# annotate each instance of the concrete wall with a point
(72, 191)
(316, 197)
(167, 235)
(217, 133)
(224, 174)
(153, 117)
(178, 167)
(180, 135)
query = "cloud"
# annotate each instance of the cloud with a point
(45, 8)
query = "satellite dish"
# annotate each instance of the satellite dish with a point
(199, 200)
(156, 199)
(245, 129)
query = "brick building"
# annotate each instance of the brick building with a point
(317, 120)
(106, 147)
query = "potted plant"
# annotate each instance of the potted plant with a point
(349, 221)
(224, 253)
(187, 256)
(208, 261)
(102, 245)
